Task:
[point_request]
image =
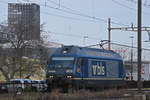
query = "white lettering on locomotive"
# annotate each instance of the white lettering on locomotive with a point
(98, 70)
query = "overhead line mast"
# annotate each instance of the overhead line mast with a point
(139, 19)
(132, 28)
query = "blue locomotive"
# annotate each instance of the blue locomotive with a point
(83, 67)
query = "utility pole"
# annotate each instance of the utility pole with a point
(109, 30)
(59, 3)
(139, 85)
(131, 57)
(148, 35)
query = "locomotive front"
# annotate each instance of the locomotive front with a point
(60, 69)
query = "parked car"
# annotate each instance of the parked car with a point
(39, 85)
(19, 84)
(3, 88)
(44, 85)
(35, 85)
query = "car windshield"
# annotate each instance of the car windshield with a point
(35, 82)
(15, 81)
(65, 62)
(42, 81)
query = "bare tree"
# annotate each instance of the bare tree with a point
(14, 63)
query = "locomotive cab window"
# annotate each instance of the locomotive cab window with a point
(63, 62)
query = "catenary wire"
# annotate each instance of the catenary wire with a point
(72, 35)
(123, 5)
(72, 18)
(75, 12)
(81, 14)
(135, 2)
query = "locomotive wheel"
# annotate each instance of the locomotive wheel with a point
(70, 89)
(49, 88)
(65, 88)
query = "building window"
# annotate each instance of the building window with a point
(4, 35)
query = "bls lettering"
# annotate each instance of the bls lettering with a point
(98, 70)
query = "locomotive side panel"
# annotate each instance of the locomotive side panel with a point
(103, 73)
(103, 68)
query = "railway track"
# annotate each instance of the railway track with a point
(133, 84)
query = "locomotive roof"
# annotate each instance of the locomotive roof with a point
(87, 52)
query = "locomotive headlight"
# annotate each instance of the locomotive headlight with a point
(69, 71)
(51, 76)
(69, 76)
(52, 71)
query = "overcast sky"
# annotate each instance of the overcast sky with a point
(84, 22)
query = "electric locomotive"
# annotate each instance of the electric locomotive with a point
(83, 67)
